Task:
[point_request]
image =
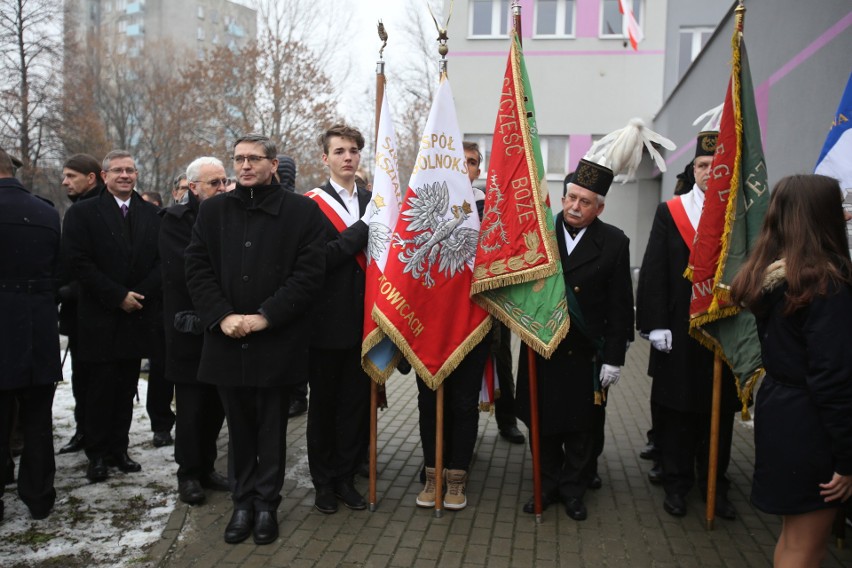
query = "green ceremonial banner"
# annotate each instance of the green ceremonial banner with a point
(518, 272)
(739, 184)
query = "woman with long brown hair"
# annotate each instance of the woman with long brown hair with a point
(798, 283)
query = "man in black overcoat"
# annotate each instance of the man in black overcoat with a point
(29, 340)
(81, 177)
(573, 383)
(682, 369)
(338, 416)
(111, 242)
(199, 410)
(254, 267)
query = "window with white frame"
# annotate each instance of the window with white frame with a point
(690, 43)
(489, 18)
(612, 20)
(200, 12)
(200, 33)
(554, 18)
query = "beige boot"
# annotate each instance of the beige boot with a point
(454, 498)
(426, 498)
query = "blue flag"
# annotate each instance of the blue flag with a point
(835, 160)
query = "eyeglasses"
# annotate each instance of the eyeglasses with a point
(214, 182)
(238, 160)
(119, 171)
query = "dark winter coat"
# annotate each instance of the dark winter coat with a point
(69, 288)
(598, 272)
(29, 256)
(110, 256)
(683, 378)
(339, 316)
(256, 250)
(183, 348)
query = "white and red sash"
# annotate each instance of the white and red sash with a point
(681, 221)
(338, 215)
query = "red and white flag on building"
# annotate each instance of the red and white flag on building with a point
(423, 302)
(630, 27)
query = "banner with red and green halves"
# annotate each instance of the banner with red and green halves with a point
(517, 273)
(735, 204)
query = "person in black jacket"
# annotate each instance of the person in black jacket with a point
(797, 281)
(338, 417)
(81, 177)
(111, 241)
(199, 411)
(29, 341)
(254, 267)
(573, 383)
(682, 368)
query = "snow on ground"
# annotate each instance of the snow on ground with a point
(102, 524)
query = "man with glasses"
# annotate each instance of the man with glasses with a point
(254, 266)
(199, 411)
(180, 190)
(681, 368)
(338, 416)
(111, 242)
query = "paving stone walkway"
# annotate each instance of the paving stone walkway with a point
(626, 526)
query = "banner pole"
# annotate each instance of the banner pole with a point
(439, 451)
(713, 459)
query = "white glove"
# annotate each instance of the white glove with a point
(661, 340)
(368, 213)
(609, 375)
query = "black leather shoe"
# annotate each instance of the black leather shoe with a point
(575, 509)
(325, 501)
(297, 407)
(655, 474)
(39, 514)
(239, 527)
(75, 444)
(513, 435)
(124, 463)
(97, 470)
(675, 505)
(595, 482)
(190, 491)
(346, 492)
(724, 508)
(529, 506)
(162, 439)
(215, 481)
(9, 477)
(265, 527)
(650, 453)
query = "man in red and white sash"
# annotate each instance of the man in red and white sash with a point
(682, 369)
(338, 416)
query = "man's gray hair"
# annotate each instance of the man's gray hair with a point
(269, 147)
(115, 155)
(193, 170)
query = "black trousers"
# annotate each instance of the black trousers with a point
(565, 463)
(598, 438)
(338, 416)
(37, 466)
(160, 395)
(200, 416)
(109, 406)
(257, 444)
(501, 349)
(461, 414)
(79, 383)
(684, 442)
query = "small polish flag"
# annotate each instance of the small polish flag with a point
(630, 26)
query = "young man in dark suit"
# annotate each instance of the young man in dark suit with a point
(338, 416)
(111, 242)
